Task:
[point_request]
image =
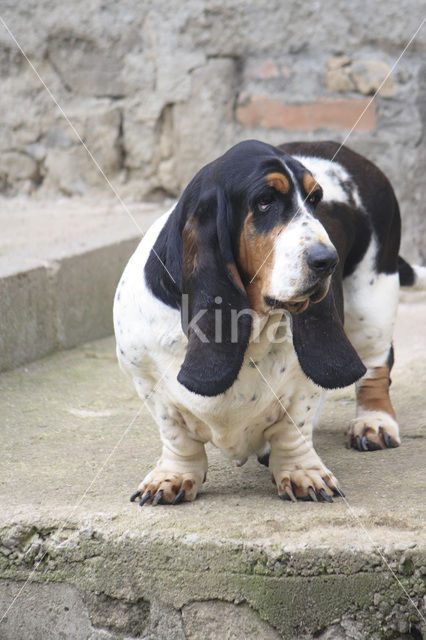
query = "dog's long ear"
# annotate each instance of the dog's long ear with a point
(213, 298)
(324, 351)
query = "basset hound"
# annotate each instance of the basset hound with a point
(229, 316)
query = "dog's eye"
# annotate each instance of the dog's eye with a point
(264, 204)
(315, 197)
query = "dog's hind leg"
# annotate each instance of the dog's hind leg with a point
(371, 301)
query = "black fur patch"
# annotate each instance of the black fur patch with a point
(264, 459)
(349, 230)
(324, 352)
(407, 277)
(165, 283)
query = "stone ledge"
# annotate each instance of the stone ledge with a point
(117, 584)
(238, 562)
(60, 262)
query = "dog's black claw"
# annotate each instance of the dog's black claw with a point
(264, 459)
(135, 495)
(389, 441)
(338, 493)
(288, 494)
(158, 498)
(312, 494)
(145, 498)
(364, 443)
(358, 444)
(373, 446)
(180, 497)
(325, 495)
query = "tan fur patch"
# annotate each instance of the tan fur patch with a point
(373, 392)
(190, 253)
(235, 276)
(310, 184)
(189, 240)
(279, 181)
(256, 251)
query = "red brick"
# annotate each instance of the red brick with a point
(261, 111)
(269, 70)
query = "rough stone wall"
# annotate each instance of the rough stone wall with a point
(88, 584)
(157, 89)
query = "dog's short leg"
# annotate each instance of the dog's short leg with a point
(375, 426)
(369, 321)
(296, 468)
(181, 469)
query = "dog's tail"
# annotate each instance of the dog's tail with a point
(411, 276)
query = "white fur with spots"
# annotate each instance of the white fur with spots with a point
(336, 183)
(241, 422)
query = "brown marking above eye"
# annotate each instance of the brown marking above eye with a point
(279, 181)
(310, 185)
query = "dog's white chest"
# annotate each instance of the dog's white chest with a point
(151, 348)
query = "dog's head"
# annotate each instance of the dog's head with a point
(251, 242)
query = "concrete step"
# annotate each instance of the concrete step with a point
(60, 262)
(238, 562)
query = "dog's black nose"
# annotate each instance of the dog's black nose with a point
(322, 260)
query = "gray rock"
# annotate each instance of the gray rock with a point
(43, 611)
(16, 167)
(214, 620)
(370, 76)
(83, 67)
(203, 128)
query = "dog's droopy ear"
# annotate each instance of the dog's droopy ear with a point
(323, 349)
(215, 309)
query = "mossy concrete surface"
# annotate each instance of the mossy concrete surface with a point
(236, 563)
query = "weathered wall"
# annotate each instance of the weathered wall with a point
(156, 89)
(89, 584)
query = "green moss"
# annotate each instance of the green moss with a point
(290, 604)
(143, 569)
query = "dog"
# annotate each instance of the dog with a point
(229, 316)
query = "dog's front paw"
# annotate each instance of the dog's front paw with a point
(167, 487)
(316, 484)
(373, 430)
